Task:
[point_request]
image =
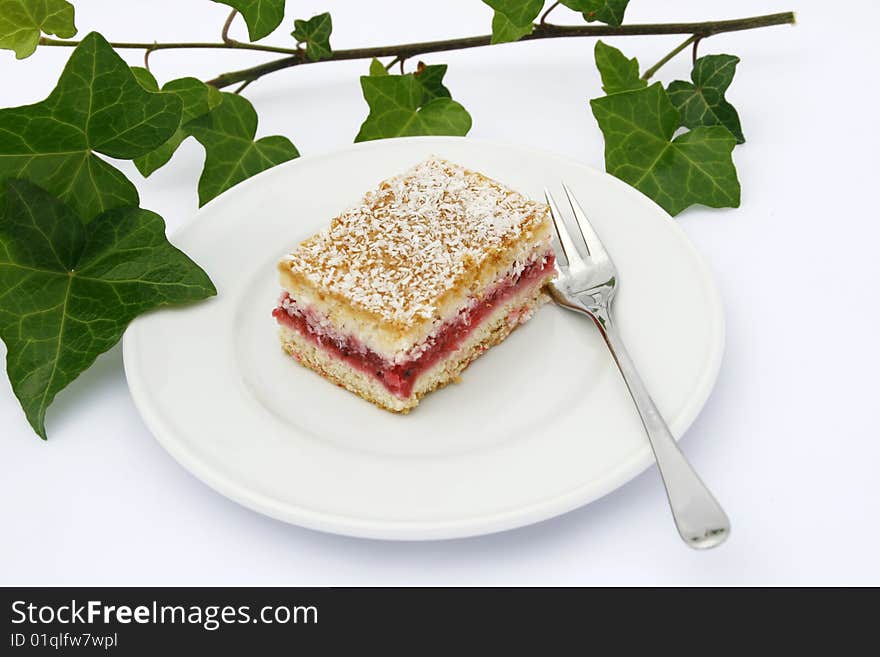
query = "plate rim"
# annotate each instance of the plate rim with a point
(462, 527)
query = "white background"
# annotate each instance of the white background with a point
(788, 440)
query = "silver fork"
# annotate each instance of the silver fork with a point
(586, 285)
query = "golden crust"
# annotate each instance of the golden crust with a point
(415, 245)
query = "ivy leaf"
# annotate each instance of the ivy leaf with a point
(411, 104)
(146, 79)
(618, 73)
(261, 16)
(70, 289)
(197, 99)
(315, 33)
(605, 11)
(97, 106)
(231, 154)
(431, 78)
(377, 68)
(22, 22)
(513, 19)
(703, 102)
(695, 167)
(429, 75)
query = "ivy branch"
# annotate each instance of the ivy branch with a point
(400, 52)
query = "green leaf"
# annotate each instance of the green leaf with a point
(618, 73)
(98, 106)
(231, 154)
(69, 289)
(513, 19)
(431, 79)
(695, 167)
(604, 11)
(411, 104)
(261, 16)
(22, 21)
(315, 33)
(197, 99)
(377, 68)
(703, 103)
(146, 79)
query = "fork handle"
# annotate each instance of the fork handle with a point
(699, 518)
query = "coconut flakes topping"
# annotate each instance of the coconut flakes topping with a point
(413, 238)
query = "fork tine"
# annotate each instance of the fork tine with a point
(569, 251)
(591, 239)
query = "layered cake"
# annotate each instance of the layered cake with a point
(405, 289)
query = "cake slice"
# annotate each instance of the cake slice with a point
(402, 291)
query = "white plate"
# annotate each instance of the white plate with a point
(540, 425)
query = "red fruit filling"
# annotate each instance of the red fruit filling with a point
(400, 378)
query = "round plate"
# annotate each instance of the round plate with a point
(538, 426)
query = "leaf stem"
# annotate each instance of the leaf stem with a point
(243, 86)
(656, 67)
(543, 19)
(696, 47)
(147, 57)
(224, 34)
